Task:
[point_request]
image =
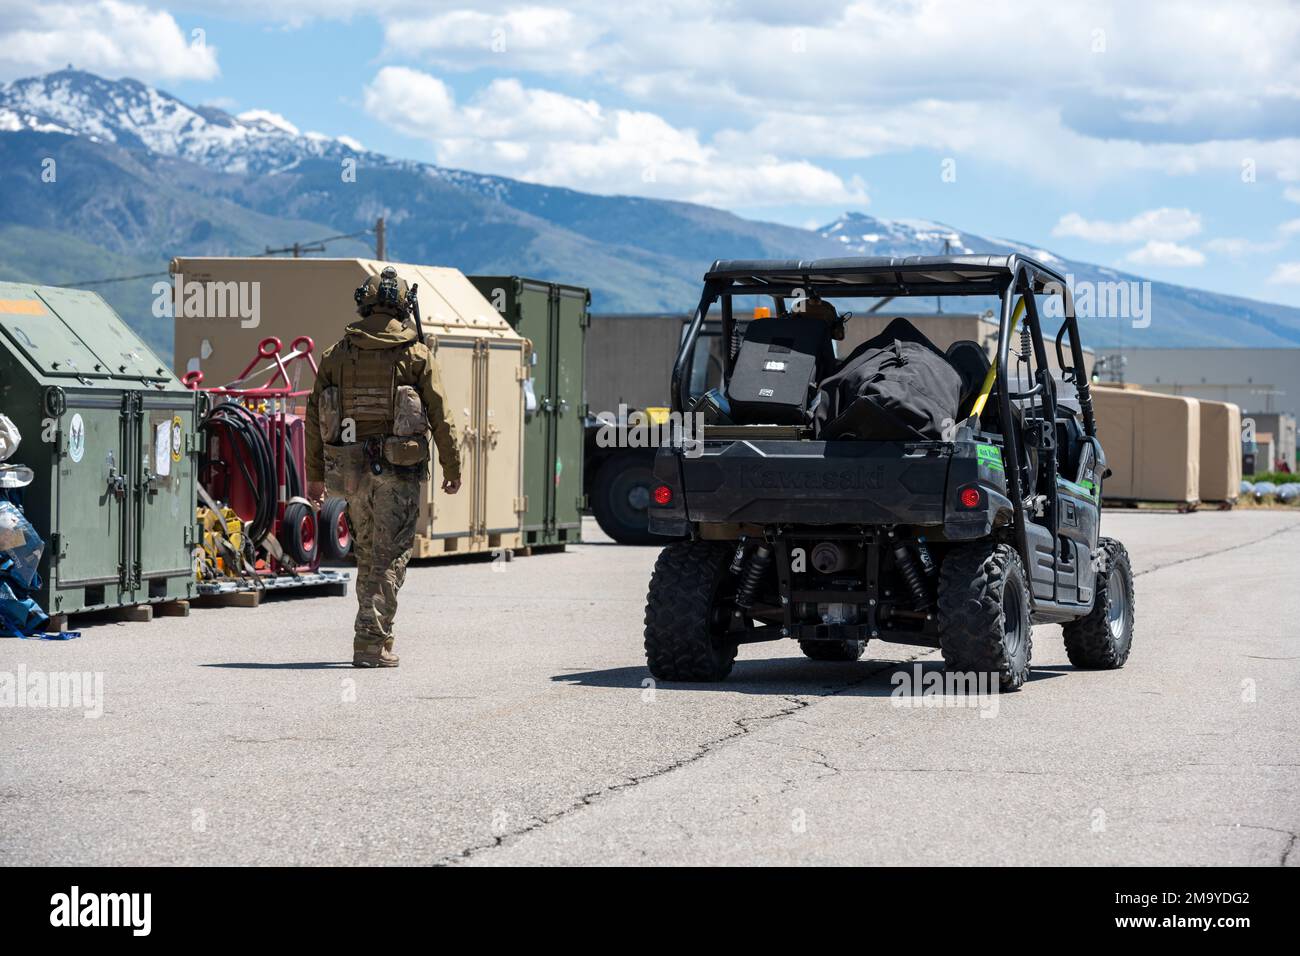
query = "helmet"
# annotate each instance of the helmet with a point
(816, 307)
(385, 294)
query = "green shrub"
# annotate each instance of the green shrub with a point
(1277, 477)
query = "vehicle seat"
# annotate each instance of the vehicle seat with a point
(972, 364)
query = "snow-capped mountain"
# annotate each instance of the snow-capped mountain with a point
(132, 115)
(153, 177)
(863, 235)
(1180, 316)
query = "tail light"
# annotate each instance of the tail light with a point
(663, 495)
(971, 498)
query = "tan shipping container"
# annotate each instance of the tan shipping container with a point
(1220, 451)
(1152, 444)
(483, 361)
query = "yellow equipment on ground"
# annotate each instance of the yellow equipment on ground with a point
(223, 543)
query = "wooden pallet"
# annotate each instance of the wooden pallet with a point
(126, 614)
(243, 593)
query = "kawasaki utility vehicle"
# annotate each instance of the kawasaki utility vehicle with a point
(901, 492)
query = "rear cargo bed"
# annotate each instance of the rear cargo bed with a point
(814, 482)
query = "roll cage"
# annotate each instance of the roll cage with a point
(1005, 277)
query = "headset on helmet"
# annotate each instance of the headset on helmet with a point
(385, 293)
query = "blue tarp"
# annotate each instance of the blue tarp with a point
(20, 557)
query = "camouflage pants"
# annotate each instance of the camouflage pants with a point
(383, 512)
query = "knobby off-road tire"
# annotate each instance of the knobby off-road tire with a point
(833, 650)
(688, 613)
(1102, 638)
(984, 608)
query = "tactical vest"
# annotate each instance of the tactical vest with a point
(369, 395)
(368, 387)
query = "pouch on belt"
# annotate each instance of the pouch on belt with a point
(344, 466)
(406, 450)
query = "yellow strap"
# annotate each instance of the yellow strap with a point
(978, 408)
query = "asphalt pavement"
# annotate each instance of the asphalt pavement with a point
(523, 728)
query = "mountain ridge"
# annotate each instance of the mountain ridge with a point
(143, 176)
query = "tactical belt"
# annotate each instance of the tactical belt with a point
(373, 449)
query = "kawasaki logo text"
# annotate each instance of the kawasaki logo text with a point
(847, 479)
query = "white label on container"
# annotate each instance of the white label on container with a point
(76, 438)
(162, 449)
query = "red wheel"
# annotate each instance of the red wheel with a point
(299, 532)
(336, 542)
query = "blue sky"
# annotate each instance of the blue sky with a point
(1162, 138)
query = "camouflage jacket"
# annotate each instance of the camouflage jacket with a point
(376, 356)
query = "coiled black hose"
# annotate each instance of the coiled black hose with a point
(246, 427)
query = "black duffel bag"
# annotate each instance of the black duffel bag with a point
(896, 386)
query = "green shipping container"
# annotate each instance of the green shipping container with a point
(110, 433)
(554, 319)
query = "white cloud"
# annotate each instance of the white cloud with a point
(1153, 224)
(1236, 248)
(1290, 228)
(1291, 193)
(544, 136)
(1167, 86)
(227, 104)
(525, 38)
(1286, 273)
(920, 75)
(270, 118)
(1159, 253)
(107, 37)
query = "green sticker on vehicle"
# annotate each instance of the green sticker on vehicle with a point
(989, 455)
(1084, 488)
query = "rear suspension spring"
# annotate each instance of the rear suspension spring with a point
(753, 577)
(907, 566)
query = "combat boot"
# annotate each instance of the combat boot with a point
(375, 655)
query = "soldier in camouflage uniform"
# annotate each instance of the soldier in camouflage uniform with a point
(376, 400)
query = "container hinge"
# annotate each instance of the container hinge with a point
(522, 373)
(56, 547)
(521, 504)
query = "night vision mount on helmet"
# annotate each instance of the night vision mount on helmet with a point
(385, 293)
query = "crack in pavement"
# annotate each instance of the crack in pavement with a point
(1215, 554)
(1286, 850)
(744, 726)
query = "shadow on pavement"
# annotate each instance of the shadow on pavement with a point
(787, 676)
(281, 665)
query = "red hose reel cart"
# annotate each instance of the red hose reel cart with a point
(253, 461)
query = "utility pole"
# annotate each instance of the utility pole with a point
(380, 249)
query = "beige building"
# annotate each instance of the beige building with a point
(1257, 380)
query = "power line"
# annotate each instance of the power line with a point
(315, 245)
(304, 246)
(143, 275)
